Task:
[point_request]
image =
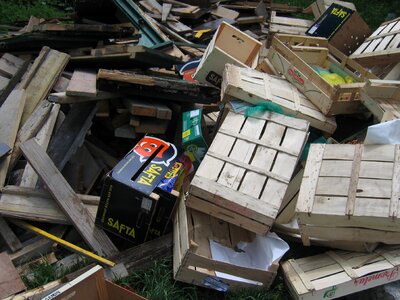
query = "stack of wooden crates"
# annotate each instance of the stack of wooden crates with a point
(235, 194)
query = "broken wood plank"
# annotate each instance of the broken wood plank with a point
(61, 85)
(29, 177)
(62, 97)
(9, 236)
(10, 282)
(166, 9)
(71, 134)
(10, 118)
(67, 199)
(13, 82)
(41, 77)
(9, 65)
(83, 83)
(222, 12)
(30, 128)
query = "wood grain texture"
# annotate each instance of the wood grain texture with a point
(10, 282)
(67, 199)
(83, 83)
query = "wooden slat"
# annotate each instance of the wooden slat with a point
(67, 199)
(10, 282)
(43, 74)
(355, 170)
(395, 197)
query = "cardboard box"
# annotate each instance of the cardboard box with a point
(193, 140)
(130, 196)
(342, 26)
(229, 45)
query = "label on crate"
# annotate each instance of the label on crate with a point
(330, 21)
(216, 284)
(214, 78)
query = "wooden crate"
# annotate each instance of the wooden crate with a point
(287, 227)
(229, 45)
(382, 47)
(279, 24)
(293, 56)
(382, 98)
(351, 192)
(193, 262)
(338, 273)
(256, 87)
(245, 173)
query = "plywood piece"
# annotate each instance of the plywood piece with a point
(10, 282)
(67, 199)
(83, 83)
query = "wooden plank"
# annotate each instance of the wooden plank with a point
(222, 12)
(10, 117)
(10, 282)
(41, 77)
(71, 134)
(30, 128)
(62, 97)
(83, 83)
(29, 177)
(34, 205)
(67, 199)
(166, 9)
(9, 236)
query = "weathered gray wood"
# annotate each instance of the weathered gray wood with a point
(67, 199)
(9, 236)
(71, 134)
(83, 83)
(10, 282)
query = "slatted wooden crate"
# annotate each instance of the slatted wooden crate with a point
(351, 192)
(228, 45)
(286, 222)
(293, 57)
(382, 98)
(256, 87)
(382, 47)
(245, 173)
(193, 262)
(338, 273)
(279, 24)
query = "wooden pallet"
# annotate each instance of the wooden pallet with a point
(382, 47)
(351, 191)
(338, 273)
(245, 173)
(193, 262)
(382, 98)
(279, 24)
(256, 87)
(293, 56)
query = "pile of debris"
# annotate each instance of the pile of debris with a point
(206, 129)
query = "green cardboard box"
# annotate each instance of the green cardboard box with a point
(193, 138)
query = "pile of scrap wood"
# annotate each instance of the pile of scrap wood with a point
(217, 132)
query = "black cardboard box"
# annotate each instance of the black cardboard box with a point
(131, 205)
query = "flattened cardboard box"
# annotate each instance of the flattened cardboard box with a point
(130, 196)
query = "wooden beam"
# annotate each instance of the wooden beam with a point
(62, 97)
(67, 199)
(166, 9)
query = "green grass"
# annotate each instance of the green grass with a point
(157, 283)
(16, 11)
(42, 273)
(374, 12)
